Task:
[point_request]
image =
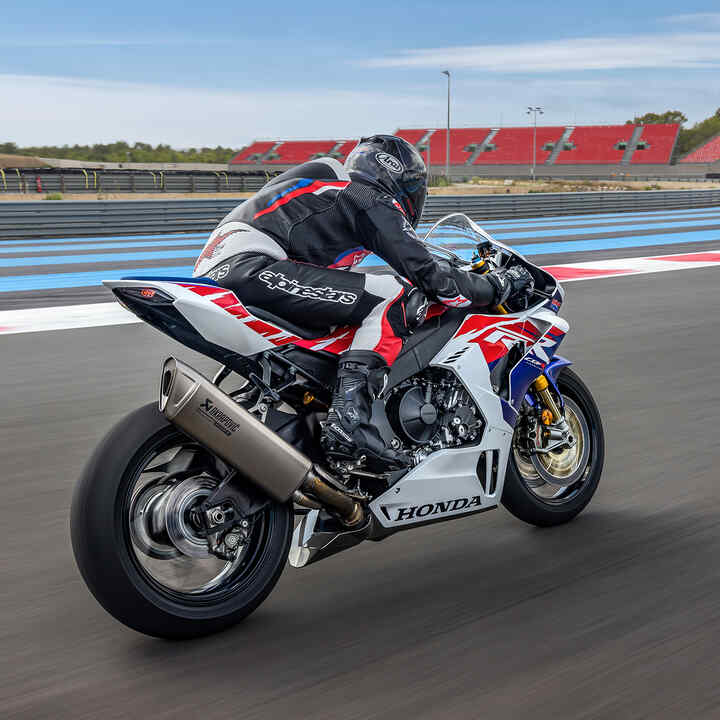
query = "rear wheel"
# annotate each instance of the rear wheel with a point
(142, 548)
(552, 489)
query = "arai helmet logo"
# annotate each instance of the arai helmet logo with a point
(390, 162)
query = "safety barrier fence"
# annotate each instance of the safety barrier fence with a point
(150, 181)
(69, 218)
(126, 181)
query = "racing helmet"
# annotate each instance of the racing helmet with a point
(396, 166)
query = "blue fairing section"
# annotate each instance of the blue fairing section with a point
(529, 368)
(554, 367)
(160, 278)
(551, 373)
(510, 416)
(521, 377)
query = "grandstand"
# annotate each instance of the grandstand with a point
(709, 152)
(294, 152)
(597, 145)
(514, 146)
(464, 142)
(582, 151)
(253, 153)
(655, 144)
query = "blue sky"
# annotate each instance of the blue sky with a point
(225, 73)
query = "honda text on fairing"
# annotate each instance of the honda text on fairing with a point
(185, 515)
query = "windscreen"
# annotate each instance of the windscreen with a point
(459, 234)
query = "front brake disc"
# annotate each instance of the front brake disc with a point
(566, 466)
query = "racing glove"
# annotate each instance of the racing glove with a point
(510, 282)
(459, 288)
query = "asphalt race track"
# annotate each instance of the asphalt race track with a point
(616, 615)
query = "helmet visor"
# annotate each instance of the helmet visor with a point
(415, 191)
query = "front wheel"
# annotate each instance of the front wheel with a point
(140, 546)
(552, 489)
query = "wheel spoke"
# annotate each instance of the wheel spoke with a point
(557, 477)
(168, 544)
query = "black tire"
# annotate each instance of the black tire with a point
(525, 504)
(104, 553)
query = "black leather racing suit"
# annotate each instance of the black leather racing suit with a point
(288, 249)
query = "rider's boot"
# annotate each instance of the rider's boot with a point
(347, 433)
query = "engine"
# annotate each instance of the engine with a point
(432, 411)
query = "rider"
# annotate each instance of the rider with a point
(287, 248)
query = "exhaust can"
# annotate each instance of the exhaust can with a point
(199, 408)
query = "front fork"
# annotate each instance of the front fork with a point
(551, 413)
(554, 432)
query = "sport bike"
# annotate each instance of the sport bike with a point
(186, 513)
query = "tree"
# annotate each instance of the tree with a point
(668, 117)
(121, 151)
(697, 135)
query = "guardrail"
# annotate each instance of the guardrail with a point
(69, 218)
(127, 181)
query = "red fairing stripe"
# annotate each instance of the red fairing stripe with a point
(314, 187)
(226, 300)
(343, 339)
(238, 310)
(482, 326)
(339, 341)
(203, 289)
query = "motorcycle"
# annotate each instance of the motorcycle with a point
(186, 513)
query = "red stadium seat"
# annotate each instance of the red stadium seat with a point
(707, 153)
(596, 145)
(462, 141)
(660, 141)
(412, 136)
(252, 152)
(294, 152)
(514, 146)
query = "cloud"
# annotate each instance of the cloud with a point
(51, 110)
(57, 110)
(673, 50)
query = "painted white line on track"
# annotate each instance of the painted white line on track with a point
(64, 318)
(102, 314)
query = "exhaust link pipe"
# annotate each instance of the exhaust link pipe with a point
(203, 411)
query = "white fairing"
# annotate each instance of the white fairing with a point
(446, 483)
(214, 322)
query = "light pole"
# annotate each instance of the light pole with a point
(426, 149)
(447, 139)
(534, 112)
